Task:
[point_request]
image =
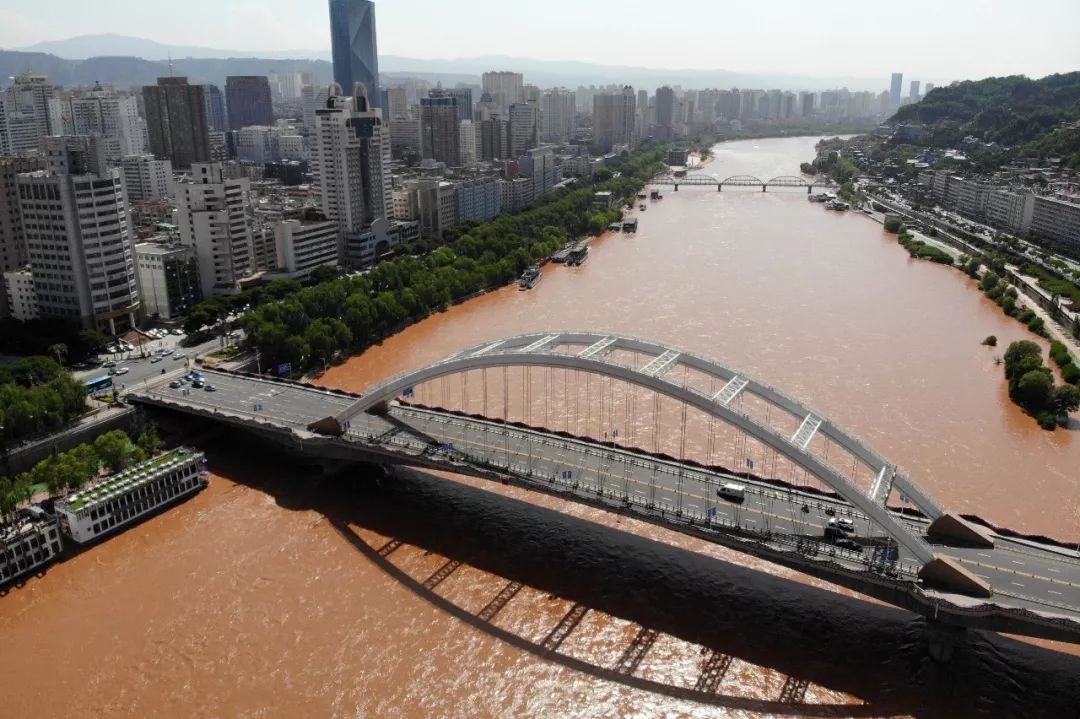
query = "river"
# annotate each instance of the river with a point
(279, 592)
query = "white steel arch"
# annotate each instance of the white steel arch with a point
(542, 350)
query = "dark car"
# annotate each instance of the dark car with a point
(849, 544)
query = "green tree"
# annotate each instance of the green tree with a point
(93, 341)
(149, 441)
(1065, 399)
(989, 281)
(1034, 388)
(116, 450)
(990, 341)
(323, 273)
(59, 351)
(1017, 353)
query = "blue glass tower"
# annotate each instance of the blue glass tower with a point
(352, 39)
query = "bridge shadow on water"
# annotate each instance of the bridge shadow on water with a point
(812, 636)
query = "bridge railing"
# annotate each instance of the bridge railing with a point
(522, 466)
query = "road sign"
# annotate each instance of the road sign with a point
(750, 464)
(407, 392)
(284, 368)
(712, 512)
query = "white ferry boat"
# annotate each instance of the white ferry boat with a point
(127, 496)
(838, 205)
(821, 197)
(29, 541)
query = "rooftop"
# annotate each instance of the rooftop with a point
(123, 482)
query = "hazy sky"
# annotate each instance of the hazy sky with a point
(923, 38)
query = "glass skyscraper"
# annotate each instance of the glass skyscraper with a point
(352, 38)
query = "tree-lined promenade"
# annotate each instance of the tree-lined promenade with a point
(306, 328)
(70, 471)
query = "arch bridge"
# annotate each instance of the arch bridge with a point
(678, 439)
(783, 181)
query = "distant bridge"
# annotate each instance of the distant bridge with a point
(513, 409)
(784, 181)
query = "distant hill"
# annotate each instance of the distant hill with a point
(544, 73)
(1013, 111)
(131, 71)
(109, 44)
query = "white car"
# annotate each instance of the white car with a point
(123, 370)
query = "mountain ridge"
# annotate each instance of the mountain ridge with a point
(545, 73)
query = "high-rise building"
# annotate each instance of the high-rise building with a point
(494, 139)
(176, 121)
(439, 134)
(111, 116)
(613, 119)
(469, 143)
(213, 216)
(27, 114)
(929, 87)
(305, 244)
(168, 279)
(913, 93)
(248, 101)
(215, 108)
(478, 200)
(404, 137)
(312, 98)
(398, 103)
(896, 87)
(351, 164)
(352, 40)
(524, 127)
(463, 96)
(665, 114)
(12, 239)
(558, 108)
(505, 88)
(147, 178)
(83, 262)
(642, 113)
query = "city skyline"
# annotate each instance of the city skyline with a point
(736, 38)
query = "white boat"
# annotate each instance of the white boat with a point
(127, 496)
(838, 205)
(29, 541)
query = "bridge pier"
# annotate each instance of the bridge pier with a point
(764, 188)
(676, 187)
(719, 188)
(809, 189)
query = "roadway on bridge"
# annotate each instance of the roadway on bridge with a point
(1022, 574)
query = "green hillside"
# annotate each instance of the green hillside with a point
(1032, 116)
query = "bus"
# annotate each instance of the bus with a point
(99, 384)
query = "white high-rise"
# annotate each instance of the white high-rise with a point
(351, 164)
(113, 116)
(28, 112)
(558, 111)
(78, 239)
(505, 89)
(213, 216)
(468, 144)
(147, 178)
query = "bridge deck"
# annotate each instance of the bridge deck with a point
(1024, 575)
